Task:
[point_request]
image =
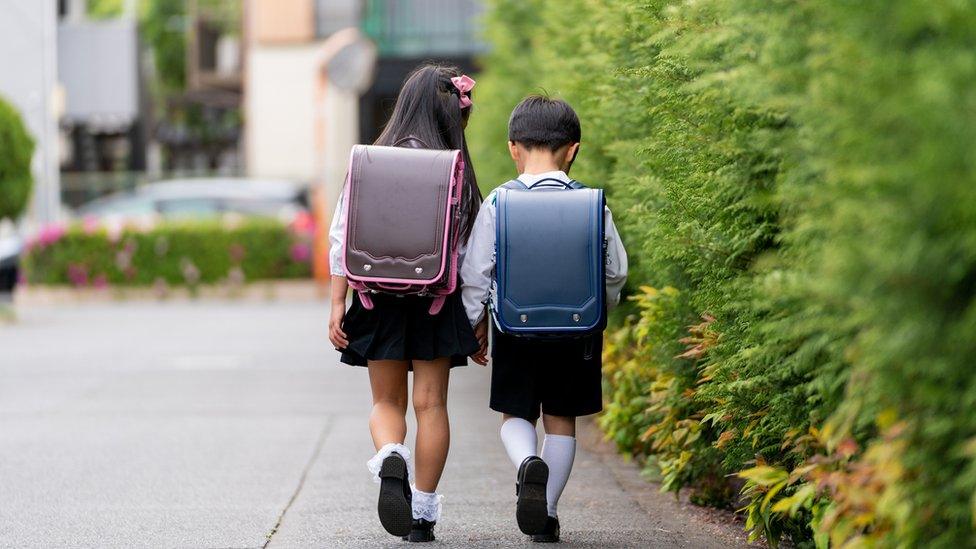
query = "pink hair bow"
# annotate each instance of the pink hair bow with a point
(464, 83)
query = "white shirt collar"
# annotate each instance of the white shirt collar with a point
(531, 178)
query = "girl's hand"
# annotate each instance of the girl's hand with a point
(481, 333)
(336, 335)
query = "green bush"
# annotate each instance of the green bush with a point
(180, 254)
(798, 177)
(16, 149)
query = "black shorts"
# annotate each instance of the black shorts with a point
(560, 377)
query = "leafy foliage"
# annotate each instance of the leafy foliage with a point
(176, 254)
(798, 177)
(16, 149)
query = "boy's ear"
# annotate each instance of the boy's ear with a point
(571, 153)
(513, 151)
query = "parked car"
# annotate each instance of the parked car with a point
(10, 249)
(200, 198)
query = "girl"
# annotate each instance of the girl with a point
(399, 334)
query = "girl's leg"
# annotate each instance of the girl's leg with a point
(430, 380)
(387, 424)
(558, 451)
(387, 421)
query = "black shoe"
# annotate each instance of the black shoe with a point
(422, 531)
(394, 508)
(531, 509)
(550, 534)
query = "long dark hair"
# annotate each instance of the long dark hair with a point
(428, 108)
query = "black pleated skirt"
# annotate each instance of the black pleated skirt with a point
(401, 328)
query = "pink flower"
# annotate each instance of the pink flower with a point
(100, 282)
(90, 225)
(50, 234)
(301, 252)
(114, 230)
(78, 274)
(130, 246)
(304, 223)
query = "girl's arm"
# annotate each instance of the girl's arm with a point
(336, 335)
(339, 286)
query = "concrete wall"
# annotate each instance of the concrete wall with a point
(28, 75)
(283, 21)
(280, 102)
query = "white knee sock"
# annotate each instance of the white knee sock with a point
(426, 505)
(558, 451)
(519, 438)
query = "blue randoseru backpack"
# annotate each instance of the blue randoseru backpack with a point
(549, 260)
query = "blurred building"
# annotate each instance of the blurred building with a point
(28, 79)
(300, 120)
(285, 44)
(106, 110)
(408, 33)
(202, 130)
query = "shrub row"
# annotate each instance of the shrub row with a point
(16, 149)
(795, 184)
(173, 254)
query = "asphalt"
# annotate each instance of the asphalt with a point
(224, 424)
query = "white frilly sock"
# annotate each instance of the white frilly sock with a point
(520, 440)
(375, 463)
(426, 505)
(558, 451)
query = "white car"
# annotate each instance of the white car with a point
(201, 197)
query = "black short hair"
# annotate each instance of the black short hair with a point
(540, 121)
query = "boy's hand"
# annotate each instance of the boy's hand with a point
(481, 333)
(336, 335)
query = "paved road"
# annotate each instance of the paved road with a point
(230, 425)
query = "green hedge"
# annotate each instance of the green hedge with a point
(795, 184)
(180, 254)
(16, 149)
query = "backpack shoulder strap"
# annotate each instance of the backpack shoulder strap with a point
(514, 184)
(574, 184)
(411, 142)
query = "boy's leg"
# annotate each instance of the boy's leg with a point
(519, 438)
(515, 393)
(559, 452)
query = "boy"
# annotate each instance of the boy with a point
(561, 378)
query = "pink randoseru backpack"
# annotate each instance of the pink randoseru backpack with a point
(403, 213)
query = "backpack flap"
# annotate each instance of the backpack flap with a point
(398, 217)
(550, 267)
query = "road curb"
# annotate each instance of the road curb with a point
(272, 290)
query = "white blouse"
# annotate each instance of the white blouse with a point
(337, 236)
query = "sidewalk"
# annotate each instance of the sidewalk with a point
(230, 425)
